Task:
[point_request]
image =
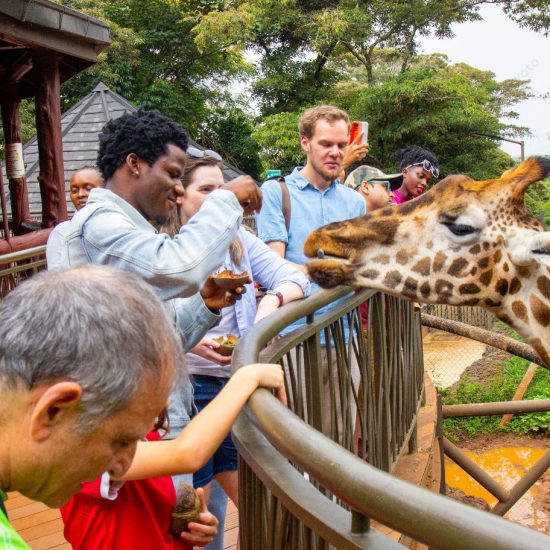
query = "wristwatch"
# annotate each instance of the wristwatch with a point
(275, 293)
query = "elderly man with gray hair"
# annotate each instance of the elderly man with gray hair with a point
(80, 351)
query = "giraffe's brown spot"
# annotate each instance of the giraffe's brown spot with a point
(392, 279)
(439, 260)
(410, 287)
(491, 303)
(443, 288)
(425, 289)
(471, 302)
(483, 263)
(370, 273)
(506, 267)
(515, 285)
(520, 311)
(497, 256)
(505, 319)
(473, 271)
(386, 211)
(402, 257)
(502, 287)
(486, 277)
(383, 259)
(476, 249)
(457, 267)
(469, 288)
(543, 284)
(486, 245)
(540, 310)
(430, 245)
(423, 266)
(385, 228)
(540, 349)
(524, 271)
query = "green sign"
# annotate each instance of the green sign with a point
(272, 173)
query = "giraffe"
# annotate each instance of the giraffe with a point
(464, 242)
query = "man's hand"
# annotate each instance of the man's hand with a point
(355, 151)
(217, 298)
(247, 192)
(203, 531)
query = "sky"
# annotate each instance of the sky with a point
(503, 47)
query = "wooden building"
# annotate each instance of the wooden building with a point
(42, 44)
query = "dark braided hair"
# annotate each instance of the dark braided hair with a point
(145, 133)
(413, 154)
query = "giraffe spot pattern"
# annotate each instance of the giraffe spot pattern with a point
(483, 263)
(383, 259)
(457, 267)
(539, 348)
(497, 257)
(476, 249)
(425, 289)
(502, 287)
(486, 277)
(370, 274)
(468, 288)
(439, 260)
(471, 302)
(423, 266)
(543, 284)
(402, 257)
(540, 311)
(515, 285)
(410, 287)
(520, 311)
(486, 246)
(392, 279)
(491, 303)
(443, 288)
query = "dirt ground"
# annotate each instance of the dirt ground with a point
(541, 501)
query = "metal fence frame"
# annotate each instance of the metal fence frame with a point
(299, 489)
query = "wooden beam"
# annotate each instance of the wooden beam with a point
(12, 136)
(48, 130)
(520, 392)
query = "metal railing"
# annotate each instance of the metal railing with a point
(301, 489)
(18, 266)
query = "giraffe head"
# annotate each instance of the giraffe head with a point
(464, 242)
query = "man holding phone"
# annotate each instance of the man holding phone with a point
(316, 198)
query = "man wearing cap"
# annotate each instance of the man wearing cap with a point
(373, 185)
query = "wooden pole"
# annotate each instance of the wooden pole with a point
(520, 392)
(48, 131)
(12, 138)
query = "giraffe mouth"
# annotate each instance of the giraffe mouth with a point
(328, 270)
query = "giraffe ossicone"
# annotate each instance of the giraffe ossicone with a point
(464, 242)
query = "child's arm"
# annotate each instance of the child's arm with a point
(204, 434)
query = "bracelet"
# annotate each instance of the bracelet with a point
(276, 293)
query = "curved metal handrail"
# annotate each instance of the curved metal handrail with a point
(269, 435)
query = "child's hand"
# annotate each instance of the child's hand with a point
(207, 348)
(202, 532)
(268, 376)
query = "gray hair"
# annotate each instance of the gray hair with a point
(97, 326)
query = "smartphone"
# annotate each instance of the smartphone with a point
(356, 128)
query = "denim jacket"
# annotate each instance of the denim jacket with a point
(109, 231)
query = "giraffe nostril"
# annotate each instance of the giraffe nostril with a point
(320, 254)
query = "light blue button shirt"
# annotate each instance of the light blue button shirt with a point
(310, 209)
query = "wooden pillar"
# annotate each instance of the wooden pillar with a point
(19, 197)
(48, 132)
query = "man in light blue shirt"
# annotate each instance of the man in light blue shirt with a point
(316, 199)
(316, 195)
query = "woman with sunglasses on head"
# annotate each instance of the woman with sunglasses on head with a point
(418, 166)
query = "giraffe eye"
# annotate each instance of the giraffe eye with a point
(459, 229)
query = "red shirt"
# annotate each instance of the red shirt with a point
(122, 516)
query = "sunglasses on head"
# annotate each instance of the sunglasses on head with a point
(200, 153)
(427, 166)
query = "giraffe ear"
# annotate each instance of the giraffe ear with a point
(528, 172)
(533, 249)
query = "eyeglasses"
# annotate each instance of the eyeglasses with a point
(197, 153)
(427, 166)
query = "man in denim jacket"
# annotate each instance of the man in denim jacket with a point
(141, 158)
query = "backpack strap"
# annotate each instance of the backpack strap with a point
(285, 195)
